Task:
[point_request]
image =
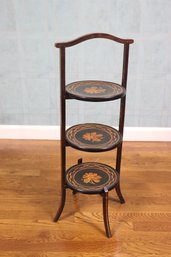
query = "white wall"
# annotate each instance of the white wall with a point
(29, 79)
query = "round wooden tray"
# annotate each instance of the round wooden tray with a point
(93, 137)
(91, 177)
(94, 90)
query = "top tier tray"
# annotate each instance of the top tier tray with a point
(94, 90)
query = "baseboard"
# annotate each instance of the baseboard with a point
(53, 133)
(29, 132)
(147, 134)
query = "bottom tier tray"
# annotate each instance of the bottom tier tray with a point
(91, 177)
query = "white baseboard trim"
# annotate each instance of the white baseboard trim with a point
(147, 134)
(29, 132)
(53, 133)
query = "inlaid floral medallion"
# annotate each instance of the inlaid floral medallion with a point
(91, 177)
(94, 90)
(93, 136)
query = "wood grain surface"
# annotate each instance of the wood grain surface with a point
(30, 193)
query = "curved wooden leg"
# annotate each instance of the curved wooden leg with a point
(118, 191)
(61, 207)
(105, 213)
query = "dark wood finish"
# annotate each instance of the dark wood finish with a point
(94, 90)
(91, 36)
(122, 104)
(62, 130)
(122, 114)
(118, 191)
(105, 213)
(96, 137)
(91, 177)
(80, 161)
(93, 137)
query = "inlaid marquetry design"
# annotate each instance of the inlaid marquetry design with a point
(94, 90)
(93, 137)
(91, 177)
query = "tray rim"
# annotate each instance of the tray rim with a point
(90, 149)
(91, 98)
(93, 191)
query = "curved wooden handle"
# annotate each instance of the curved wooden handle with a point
(91, 36)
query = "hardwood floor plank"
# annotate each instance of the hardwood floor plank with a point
(30, 194)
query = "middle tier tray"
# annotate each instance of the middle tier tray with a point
(94, 90)
(93, 137)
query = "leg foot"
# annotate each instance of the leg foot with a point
(105, 213)
(61, 207)
(80, 161)
(74, 192)
(118, 191)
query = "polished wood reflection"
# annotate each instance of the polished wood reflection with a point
(30, 194)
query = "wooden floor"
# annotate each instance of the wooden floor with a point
(30, 193)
